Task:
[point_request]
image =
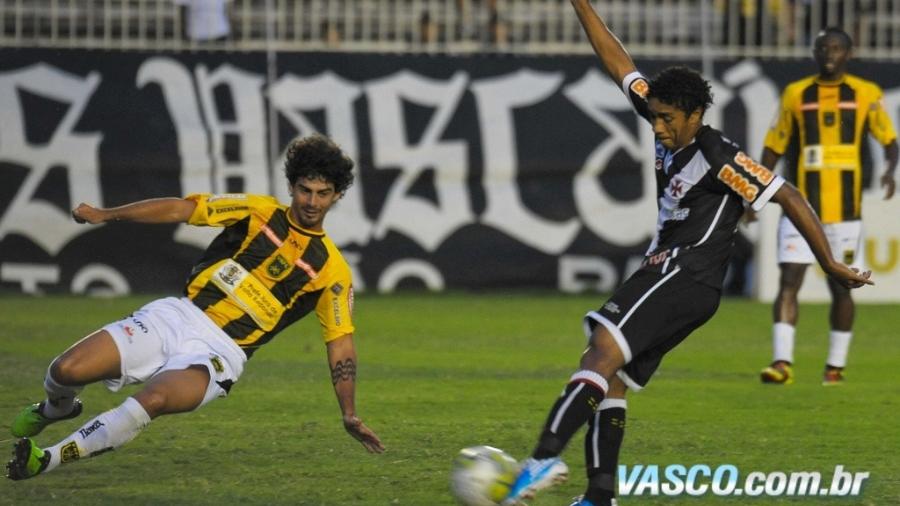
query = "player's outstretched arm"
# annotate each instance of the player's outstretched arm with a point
(342, 361)
(616, 60)
(804, 218)
(161, 210)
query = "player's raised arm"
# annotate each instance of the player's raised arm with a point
(161, 210)
(804, 218)
(342, 361)
(616, 60)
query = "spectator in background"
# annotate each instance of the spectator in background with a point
(205, 20)
(498, 31)
(744, 19)
(482, 21)
(428, 29)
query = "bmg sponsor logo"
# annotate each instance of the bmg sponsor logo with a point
(726, 480)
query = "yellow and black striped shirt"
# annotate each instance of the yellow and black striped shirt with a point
(264, 271)
(829, 121)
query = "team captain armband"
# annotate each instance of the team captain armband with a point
(636, 88)
(636, 83)
(741, 174)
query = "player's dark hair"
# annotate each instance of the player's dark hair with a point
(681, 87)
(318, 157)
(833, 30)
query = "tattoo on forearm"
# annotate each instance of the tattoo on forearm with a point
(343, 371)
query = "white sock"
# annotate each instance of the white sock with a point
(60, 398)
(839, 346)
(783, 342)
(105, 432)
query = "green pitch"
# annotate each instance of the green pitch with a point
(440, 372)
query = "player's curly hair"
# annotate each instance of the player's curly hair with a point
(315, 157)
(681, 87)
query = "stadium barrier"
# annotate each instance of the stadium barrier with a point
(482, 172)
(714, 29)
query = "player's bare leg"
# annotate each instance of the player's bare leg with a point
(94, 358)
(174, 391)
(580, 399)
(843, 311)
(785, 312)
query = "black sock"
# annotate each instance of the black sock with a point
(578, 402)
(601, 451)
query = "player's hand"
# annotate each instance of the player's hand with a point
(850, 277)
(887, 182)
(356, 428)
(85, 213)
(749, 216)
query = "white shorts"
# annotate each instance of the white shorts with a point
(173, 334)
(845, 239)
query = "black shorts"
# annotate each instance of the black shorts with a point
(649, 315)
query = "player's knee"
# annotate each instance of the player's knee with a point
(791, 278)
(603, 355)
(617, 388)
(66, 371)
(839, 293)
(154, 401)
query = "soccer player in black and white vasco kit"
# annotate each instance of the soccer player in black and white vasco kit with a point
(703, 181)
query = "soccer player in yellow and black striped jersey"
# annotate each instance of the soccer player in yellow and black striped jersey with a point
(823, 123)
(271, 265)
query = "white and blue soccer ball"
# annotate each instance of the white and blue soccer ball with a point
(482, 475)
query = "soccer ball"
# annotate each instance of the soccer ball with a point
(482, 475)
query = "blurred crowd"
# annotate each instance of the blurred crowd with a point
(464, 25)
(209, 21)
(798, 21)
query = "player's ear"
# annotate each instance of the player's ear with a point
(696, 117)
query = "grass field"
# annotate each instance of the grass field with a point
(440, 372)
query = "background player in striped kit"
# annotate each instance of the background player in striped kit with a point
(821, 127)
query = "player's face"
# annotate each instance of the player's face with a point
(831, 54)
(310, 201)
(673, 127)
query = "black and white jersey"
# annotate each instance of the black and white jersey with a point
(700, 191)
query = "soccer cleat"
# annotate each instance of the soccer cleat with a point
(535, 475)
(833, 376)
(581, 501)
(31, 420)
(28, 460)
(778, 372)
